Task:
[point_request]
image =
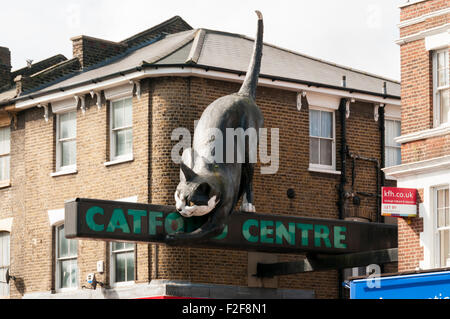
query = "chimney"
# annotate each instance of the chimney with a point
(91, 51)
(5, 66)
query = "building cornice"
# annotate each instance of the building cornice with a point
(410, 3)
(423, 34)
(421, 167)
(423, 18)
(421, 135)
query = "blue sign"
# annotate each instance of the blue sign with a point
(434, 285)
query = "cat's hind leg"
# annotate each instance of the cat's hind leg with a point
(248, 196)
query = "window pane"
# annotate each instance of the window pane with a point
(326, 124)
(68, 272)
(117, 114)
(4, 249)
(314, 123)
(5, 137)
(120, 262)
(442, 60)
(130, 266)
(68, 125)
(4, 168)
(392, 131)
(314, 151)
(63, 245)
(117, 246)
(444, 242)
(326, 154)
(122, 113)
(445, 105)
(4, 262)
(4, 288)
(124, 142)
(128, 112)
(69, 154)
(73, 247)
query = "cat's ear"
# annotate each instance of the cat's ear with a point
(187, 173)
(204, 188)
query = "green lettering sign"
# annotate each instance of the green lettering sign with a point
(266, 231)
(174, 219)
(137, 219)
(321, 233)
(305, 228)
(246, 230)
(153, 222)
(91, 212)
(282, 232)
(118, 221)
(339, 237)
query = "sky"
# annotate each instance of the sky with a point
(359, 34)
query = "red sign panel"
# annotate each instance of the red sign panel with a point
(399, 202)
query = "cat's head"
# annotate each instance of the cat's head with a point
(195, 195)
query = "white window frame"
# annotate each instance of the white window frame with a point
(319, 167)
(114, 159)
(386, 142)
(6, 155)
(68, 168)
(438, 90)
(4, 268)
(436, 229)
(112, 270)
(58, 261)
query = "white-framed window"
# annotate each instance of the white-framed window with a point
(66, 141)
(121, 129)
(122, 263)
(5, 149)
(66, 260)
(441, 87)
(322, 150)
(442, 230)
(393, 154)
(4, 262)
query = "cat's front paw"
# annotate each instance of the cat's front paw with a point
(248, 208)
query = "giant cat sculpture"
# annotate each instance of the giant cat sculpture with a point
(211, 187)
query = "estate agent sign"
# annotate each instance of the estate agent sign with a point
(131, 222)
(399, 202)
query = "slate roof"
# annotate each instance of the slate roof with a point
(230, 52)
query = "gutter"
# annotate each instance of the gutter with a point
(145, 70)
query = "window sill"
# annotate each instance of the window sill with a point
(120, 161)
(323, 170)
(64, 290)
(65, 172)
(122, 284)
(5, 184)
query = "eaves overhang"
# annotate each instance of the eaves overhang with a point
(187, 70)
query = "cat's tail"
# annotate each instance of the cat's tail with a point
(251, 79)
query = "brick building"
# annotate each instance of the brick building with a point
(100, 126)
(424, 40)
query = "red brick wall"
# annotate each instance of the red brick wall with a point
(410, 253)
(421, 8)
(417, 84)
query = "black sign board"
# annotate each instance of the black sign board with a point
(132, 222)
